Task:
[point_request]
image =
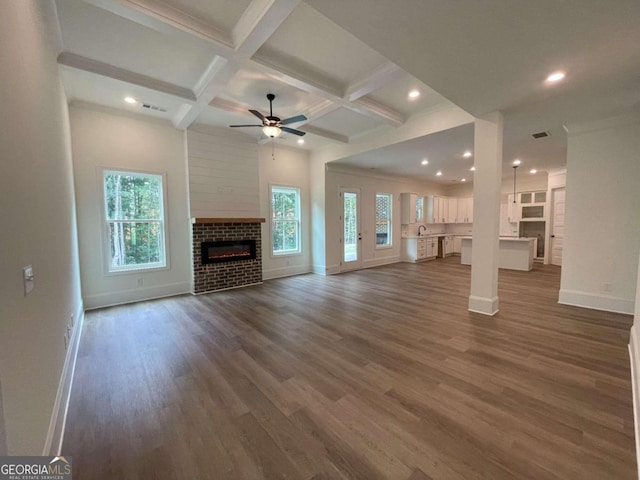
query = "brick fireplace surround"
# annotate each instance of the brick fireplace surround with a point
(221, 276)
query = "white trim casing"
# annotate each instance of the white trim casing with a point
(634, 359)
(55, 434)
(485, 306)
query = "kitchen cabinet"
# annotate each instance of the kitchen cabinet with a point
(465, 210)
(445, 246)
(408, 208)
(432, 247)
(457, 244)
(419, 249)
(448, 245)
(448, 209)
(437, 209)
(414, 249)
(452, 213)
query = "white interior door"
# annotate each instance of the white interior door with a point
(351, 234)
(557, 226)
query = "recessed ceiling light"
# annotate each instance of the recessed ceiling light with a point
(556, 77)
(425, 162)
(414, 94)
(473, 169)
(301, 141)
(130, 100)
(439, 173)
(533, 170)
(517, 162)
(463, 180)
(466, 154)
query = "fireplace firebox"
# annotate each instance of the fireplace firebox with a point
(227, 251)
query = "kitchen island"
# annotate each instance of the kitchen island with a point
(514, 253)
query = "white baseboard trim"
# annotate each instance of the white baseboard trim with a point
(378, 262)
(55, 435)
(332, 269)
(596, 302)
(285, 271)
(110, 299)
(483, 305)
(319, 269)
(228, 288)
(634, 359)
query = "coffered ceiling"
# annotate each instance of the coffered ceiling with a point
(348, 66)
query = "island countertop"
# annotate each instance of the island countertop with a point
(514, 253)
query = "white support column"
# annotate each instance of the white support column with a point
(486, 213)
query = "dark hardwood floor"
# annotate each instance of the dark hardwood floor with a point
(375, 374)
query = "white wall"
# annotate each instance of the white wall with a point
(369, 184)
(317, 180)
(602, 229)
(223, 173)
(108, 138)
(288, 167)
(38, 223)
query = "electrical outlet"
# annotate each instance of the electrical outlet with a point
(66, 341)
(72, 320)
(606, 287)
(140, 282)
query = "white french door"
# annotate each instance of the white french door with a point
(351, 239)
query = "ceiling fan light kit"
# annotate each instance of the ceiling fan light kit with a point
(272, 132)
(272, 126)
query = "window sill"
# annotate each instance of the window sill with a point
(383, 247)
(287, 254)
(129, 271)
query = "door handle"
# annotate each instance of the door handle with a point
(359, 236)
(553, 236)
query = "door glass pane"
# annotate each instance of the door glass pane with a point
(350, 233)
(540, 197)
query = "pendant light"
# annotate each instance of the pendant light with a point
(516, 164)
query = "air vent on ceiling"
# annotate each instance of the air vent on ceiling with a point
(541, 134)
(153, 107)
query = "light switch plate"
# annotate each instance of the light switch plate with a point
(27, 275)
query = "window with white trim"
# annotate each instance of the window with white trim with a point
(384, 207)
(285, 220)
(134, 213)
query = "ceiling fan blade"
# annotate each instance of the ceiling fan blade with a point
(297, 118)
(245, 125)
(257, 114)
(294, 131)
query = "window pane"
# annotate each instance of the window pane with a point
(133, 196)
(285, 236)
(383, 219)
(135, 219)
(285, 220)
(135, 244)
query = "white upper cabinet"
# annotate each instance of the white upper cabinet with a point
(448, 209)
(452, 214)
(465, 210)
(408, 208)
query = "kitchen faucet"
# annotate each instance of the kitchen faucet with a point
(420, 231)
